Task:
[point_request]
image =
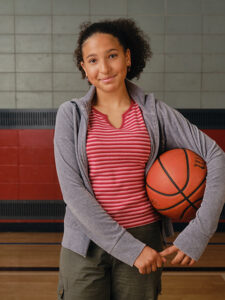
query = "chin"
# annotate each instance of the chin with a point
(111, 87)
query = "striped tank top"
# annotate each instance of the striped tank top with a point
(117, 158)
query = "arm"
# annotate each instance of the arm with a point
(180, 133)
(88, 213)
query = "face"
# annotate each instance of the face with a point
(105, 62)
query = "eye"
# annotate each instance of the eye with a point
(113, 55)
(92, 61)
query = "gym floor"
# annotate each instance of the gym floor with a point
(29, 264)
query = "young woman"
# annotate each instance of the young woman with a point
(105, 143)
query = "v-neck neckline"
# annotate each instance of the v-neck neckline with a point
(123, 115)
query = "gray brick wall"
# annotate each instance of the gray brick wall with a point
(38, 37)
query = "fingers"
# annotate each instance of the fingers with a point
(148, 269)
(169, 250)
(149, 261)
(159, 263)
(181, 258)
(163, 259)
(192, 262)
(145, 269)
(186, 260)
(154, 267)
(151, 266)
(178, 258)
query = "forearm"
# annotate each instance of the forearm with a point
(182, 134)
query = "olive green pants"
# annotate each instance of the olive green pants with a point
(100, 276)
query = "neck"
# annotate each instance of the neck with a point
(113, 99)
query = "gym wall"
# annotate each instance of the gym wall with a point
(37, 74)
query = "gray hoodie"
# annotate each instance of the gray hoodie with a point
(86, 220)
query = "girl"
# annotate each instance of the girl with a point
(105, 143)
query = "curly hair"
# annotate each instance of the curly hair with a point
(130, 37)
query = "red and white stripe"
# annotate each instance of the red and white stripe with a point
(117, 158)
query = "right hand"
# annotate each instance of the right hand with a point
(149, 260)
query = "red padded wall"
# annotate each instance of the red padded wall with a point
(218, 135)
(27, 167)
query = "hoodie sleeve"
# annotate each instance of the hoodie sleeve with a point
(180, 133)
(91, 218)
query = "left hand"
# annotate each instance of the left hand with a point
(180, 258)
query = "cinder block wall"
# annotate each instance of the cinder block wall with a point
(38, 37)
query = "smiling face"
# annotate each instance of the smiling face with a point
(105, 62)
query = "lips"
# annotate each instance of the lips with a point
(107, 79)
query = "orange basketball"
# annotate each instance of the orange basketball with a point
(175, 184)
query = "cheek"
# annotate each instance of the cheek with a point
(123, 65)
(123, 68)
(91, 72)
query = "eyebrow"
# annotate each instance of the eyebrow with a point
(93, 54)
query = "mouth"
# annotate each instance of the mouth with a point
(107, 79)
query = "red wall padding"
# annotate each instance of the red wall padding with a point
(27, 167)
(218, 135)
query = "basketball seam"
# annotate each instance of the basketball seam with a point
(188, 174)
(185, 210)
(162, 209)
(163, 194)
(174, 183)
(180, 191)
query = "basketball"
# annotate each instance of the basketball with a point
(175, 184)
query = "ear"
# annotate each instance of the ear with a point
(128, 57)
(83, 66)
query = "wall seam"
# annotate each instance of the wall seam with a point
(52, 57)
(164, 50)
(15, 69)
(89, 11)
(202, 55)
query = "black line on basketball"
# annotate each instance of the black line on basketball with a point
(158, 192)
(174, 183)
(185, 210)
(201, 183)
(188, 176)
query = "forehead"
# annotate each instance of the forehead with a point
(101, 40)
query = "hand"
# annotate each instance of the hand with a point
(148, 261)
(181, 258)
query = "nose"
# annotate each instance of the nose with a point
(104, 67)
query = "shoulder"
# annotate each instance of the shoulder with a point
(66, 108)
(165, 115)
(66, 114)
(156, 106)
(166, 112)
(66, 120)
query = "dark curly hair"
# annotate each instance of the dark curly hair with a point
(129, 36)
